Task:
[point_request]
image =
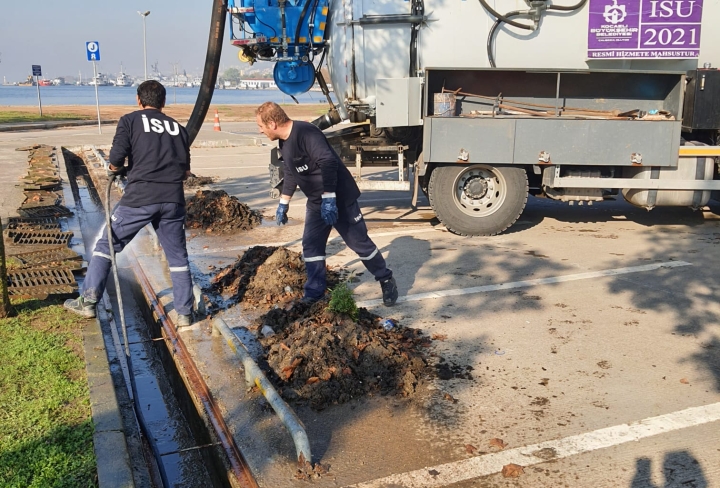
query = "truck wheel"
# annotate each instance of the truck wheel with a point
(478, 200)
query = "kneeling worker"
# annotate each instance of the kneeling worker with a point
(158, 154)
(312, 164)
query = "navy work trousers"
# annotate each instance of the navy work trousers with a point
(168, 220)
(351, 227)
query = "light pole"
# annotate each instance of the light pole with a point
(143, 15)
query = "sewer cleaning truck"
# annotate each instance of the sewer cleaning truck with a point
(480, 103)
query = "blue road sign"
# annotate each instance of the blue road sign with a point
(37, 71)
(93, 50)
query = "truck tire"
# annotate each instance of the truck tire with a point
(478, 200)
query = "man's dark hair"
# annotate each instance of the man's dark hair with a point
(151, 94)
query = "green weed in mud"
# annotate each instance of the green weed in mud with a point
(46, 431)
(342, 301)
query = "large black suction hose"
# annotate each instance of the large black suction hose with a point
(210, 73)
(142, 424)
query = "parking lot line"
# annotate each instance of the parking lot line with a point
(467, 469)
(333, 240)
(528, 283)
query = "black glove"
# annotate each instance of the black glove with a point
(121, 171)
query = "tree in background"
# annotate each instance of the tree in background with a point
(232, 75)
(5, 307)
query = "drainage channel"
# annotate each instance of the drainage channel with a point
(173, 442)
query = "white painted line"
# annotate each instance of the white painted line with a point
(524, 284)
(333, 240)
(374, 200)
(488, 464)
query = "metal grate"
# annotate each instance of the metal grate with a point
(46, 211)
(40, 198)
(62, 255)
(40, 283)
(41, 223)
(34, 237)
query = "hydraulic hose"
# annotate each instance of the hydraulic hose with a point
(505, 18)
(491, 35)
(210, 73)
(303, 13)
(138, 411)
(568, 8)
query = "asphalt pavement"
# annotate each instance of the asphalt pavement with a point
(592, 335)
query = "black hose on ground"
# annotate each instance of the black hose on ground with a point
(142, 424)
(210, 73)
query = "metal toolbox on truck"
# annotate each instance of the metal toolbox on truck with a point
(601, 118)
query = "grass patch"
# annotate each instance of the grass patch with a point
(10, 117)
(45, 422)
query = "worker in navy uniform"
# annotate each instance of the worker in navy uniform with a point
(157, 149)
(312, 164)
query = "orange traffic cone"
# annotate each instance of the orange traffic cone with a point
(216, 126)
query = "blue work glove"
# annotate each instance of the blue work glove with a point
(328, 210)
(116, 172)
(281, 213)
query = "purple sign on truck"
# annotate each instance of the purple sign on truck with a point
(651, 29)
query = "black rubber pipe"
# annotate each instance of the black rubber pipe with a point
(210, 73)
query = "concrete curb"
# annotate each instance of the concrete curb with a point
(21, 126)
(111, 451)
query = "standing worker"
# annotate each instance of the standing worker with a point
(312, 164)
(157, 149)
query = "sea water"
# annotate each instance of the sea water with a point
(115, 95)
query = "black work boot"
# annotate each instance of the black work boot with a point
(81, 307)
(184, 320)
(306, 300)
(389, 292)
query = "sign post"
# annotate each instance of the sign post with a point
(93, 54)
(37, 73)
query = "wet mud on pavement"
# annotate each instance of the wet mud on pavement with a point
(216, 211)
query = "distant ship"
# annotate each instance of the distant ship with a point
(99, 80)
(28, 82)
(123, 79)
(45, 82)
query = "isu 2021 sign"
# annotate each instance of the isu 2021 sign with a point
(650, 29)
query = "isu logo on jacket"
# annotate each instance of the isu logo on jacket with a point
(160, 126)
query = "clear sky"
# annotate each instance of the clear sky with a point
(53, 35)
